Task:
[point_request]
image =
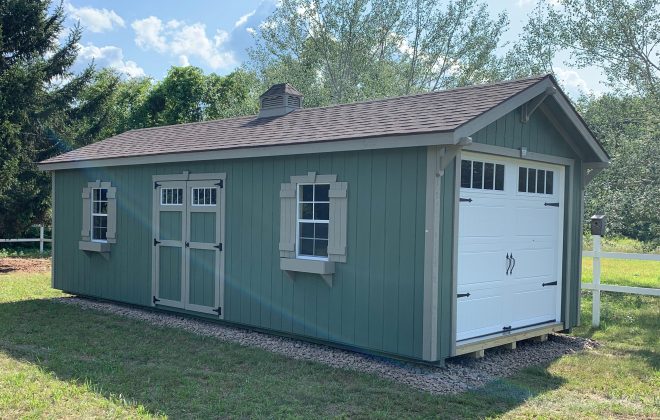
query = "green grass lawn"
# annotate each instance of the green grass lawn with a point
(57, 360)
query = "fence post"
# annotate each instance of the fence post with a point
(41, 239)
(595, 313)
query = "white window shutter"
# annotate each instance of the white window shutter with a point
(338, 222)
(288, 221)
(85, 233)
(111, 233)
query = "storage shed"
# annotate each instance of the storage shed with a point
(417, 227)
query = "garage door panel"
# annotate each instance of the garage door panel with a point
(473, 224)
(532, 307)
(480, 313)
(534, 220)
(480, 267)
(534, 263)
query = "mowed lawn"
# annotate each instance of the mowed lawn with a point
(57, 360)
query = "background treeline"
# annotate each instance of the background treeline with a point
(336, 52)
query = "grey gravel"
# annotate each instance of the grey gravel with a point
(458, 375)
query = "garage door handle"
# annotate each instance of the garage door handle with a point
(508, 264)
(514, 264)
(460, 295)
(467, 200)
(552, 283)
(551, 204)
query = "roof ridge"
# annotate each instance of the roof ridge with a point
(390, 98)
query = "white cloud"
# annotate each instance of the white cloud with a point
(179, 39)
(110, 56)
(148, 33)
(524, 3)
(95, 20)
(243, 19)
(250, 30)
(574, 82)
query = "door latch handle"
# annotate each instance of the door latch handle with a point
(551, 204)
(514, 264)
(551, 283)
(467, 200)
(508, 263)
(507, 328)
(187, 244)
(460, 295)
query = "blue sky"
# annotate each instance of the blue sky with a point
(146, 37)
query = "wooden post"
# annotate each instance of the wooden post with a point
(595, 312)
(41, 239)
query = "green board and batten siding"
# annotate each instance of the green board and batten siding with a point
(376, 301)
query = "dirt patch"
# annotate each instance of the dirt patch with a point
(24, 265)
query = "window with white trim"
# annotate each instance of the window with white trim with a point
(313, 221)
(204, 196)
(482, 175)
(535, 181)
(171, 196)
(99, 214)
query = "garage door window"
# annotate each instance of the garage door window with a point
(482, 175)
(536, 181)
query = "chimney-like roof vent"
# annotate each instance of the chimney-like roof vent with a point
(279, 100)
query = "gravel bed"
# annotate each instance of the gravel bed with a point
(458, 375)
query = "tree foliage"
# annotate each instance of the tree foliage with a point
(628, 191)
(621, 37)
(35, 85)
(348, 50)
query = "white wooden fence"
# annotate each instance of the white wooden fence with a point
(40, 239)
(596, 287)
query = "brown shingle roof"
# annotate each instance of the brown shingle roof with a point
(441, 111)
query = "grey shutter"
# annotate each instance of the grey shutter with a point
(338, 222)
(288, 221)
(111, 234)
(86, 214)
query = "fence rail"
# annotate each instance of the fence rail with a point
(40, 239)
(596, 287)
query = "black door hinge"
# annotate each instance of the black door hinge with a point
(460, 295)
(187, 244)
(218, 310)
(156, 242)
(552, 283)
(219, 246)
(468, 200)
(156, 185)
(220, 184)
(551, 204)
(155, 299)
(508, 328)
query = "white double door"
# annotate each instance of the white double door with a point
(509, 245)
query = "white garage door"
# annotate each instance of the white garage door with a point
(509, 246)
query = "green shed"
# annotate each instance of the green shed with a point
(417, 227)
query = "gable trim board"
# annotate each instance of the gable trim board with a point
(395, 291)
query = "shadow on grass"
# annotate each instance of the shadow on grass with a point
(179, 374)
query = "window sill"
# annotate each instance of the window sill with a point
(297, 265)
(102, 247)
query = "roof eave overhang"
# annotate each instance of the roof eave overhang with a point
(346, 145)
(523, 97)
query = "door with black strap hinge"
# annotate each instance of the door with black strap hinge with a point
(188, 263)
(509, 245)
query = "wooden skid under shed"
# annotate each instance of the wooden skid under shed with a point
(477, 347)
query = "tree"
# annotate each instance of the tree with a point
(349, 50)
(186, 94)
(621, 37)
(35, 84)
(627, 192)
